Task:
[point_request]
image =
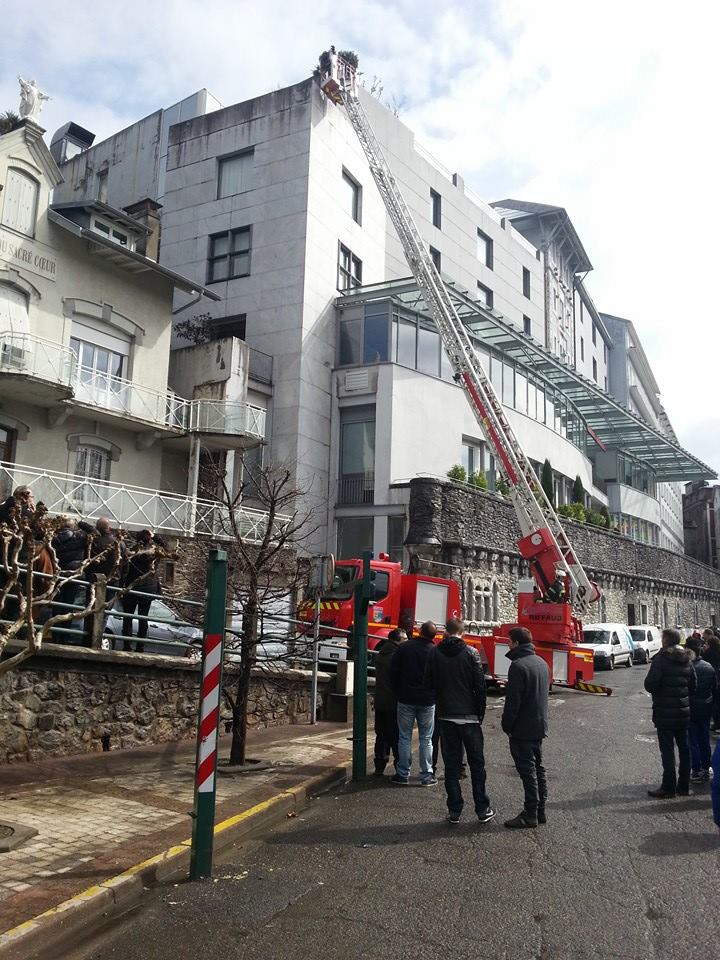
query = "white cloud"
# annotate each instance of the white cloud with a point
(607, 109)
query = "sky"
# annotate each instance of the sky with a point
(607, 109)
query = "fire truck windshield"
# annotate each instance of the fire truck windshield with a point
(343, 583)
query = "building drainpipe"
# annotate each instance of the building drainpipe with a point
(193, 480)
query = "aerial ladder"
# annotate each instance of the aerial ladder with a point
(552, 606)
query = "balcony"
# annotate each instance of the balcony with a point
(131, 507)
(34, 369)
(356, 489)
(45, 372)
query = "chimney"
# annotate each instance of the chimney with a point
(147, 212)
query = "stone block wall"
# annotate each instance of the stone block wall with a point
(476, 534)
(68, 701)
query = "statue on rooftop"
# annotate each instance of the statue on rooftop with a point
(31, 99)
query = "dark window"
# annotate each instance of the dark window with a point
(357, 455)
(396, 536)
(606, 385)
(485, 249)
(375, 333)
(594, 369)
(436, 208)
(527, 325)
(349, 269)
(229, 255)
(350, 341)
(486, 295)
(354, 535)
(582, 348)
(594, 333)
(605, 352)
(352, 196)
(436, 258)
(229, 327)
(526, 282)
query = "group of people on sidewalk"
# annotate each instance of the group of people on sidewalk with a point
(684, 684)
(442, 689)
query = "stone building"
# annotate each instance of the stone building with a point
(701, 515)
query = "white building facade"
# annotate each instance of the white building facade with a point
(270, 203)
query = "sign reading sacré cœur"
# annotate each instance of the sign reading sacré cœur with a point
(26, 254)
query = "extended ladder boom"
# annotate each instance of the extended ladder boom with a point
(544, 542)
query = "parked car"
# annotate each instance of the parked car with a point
(647, 642)
(611, 644)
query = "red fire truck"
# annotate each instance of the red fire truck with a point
(552, 603)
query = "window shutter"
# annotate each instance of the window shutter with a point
(13, 310)
(20, 204)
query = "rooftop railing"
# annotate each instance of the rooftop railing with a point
(131, 506)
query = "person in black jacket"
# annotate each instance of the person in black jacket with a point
(711, 653)
(671, 681)
(454, 672)
(386, 727)
(525, 721)
(71, 548)
(415, 702)
(701, 708)
(141, 572)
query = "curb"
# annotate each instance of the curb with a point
(92, 908)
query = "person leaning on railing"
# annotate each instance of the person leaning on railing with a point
(141, 572)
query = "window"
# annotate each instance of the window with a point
(349, 269)
(606, 385)
(229, 255)
(350, 341)
(375, 333)
(484, 249)
(473, 457)
(93, 464)
(357, 455)
(526, 282)
(396, 538)
(485, 295)
(94, 360)
(111, 232)
(527, 325)
(236, 174)
(251, 464)
(594, 369)
(428, 350)
(13, 311)
(102, 182)
(352, 196)
(436, 208)
(354, 535)
(229, 327)
(594, 334)
(605, 352)
(582, 348)
(436, 258)
(20, 200)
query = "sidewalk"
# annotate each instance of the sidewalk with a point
(99, 814)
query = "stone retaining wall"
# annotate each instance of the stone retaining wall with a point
(68, 701)
(477, 533)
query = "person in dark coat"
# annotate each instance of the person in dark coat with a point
(454, 672)
(107, 559)
(415, 703)
(71, 549)
(525, 721)
(386, 727)
(672, 682)
(711, 654)
(701, 708)
(141, 572)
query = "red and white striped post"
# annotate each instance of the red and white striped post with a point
(201, 853)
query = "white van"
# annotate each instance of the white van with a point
(611, 644)
(647, 642)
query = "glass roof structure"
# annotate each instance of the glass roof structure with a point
(608, 423)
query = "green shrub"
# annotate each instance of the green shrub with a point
(502, 487)
(578, 491)
(478, 479)
(547, 482)
(458, 472)
(574, 511)
(596, 519)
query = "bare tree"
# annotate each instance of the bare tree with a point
(264, 568)
(31, 578)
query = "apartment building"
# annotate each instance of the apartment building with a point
(94, 416)
(270, 204)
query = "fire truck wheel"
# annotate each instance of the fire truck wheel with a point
(612, 663)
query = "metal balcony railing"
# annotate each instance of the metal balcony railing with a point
(226, 417)
(32, 356)
(23, 353)
(356, 489)
(130, 506)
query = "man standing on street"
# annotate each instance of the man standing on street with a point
(386, 726)
(455, 674)
(671, 680)
(414, 702)
(525, 721)
(701, 709)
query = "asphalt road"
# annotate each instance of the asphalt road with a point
(373, 871)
